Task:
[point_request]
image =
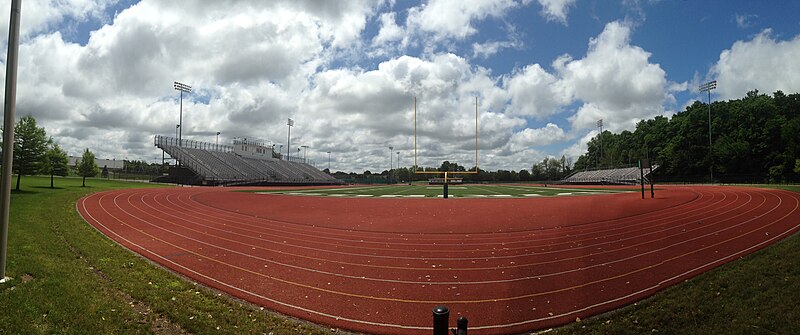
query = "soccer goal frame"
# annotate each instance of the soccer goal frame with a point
(445, 173)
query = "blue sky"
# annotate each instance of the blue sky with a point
(99, 74)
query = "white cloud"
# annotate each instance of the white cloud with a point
(745, 20)
(556, 10)
(39, 16)
(389, 30)
(615, 80)
(761, 63)
(549, 134)
(454, 18)
(490, 48)
(535, 92)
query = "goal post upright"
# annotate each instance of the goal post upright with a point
(445, 173)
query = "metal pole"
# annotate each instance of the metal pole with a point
(652, 191)
(180, 122)
(710, 153)
(441, 320)
(389, 175)
(8, 131)
(707, 87)
(329, 162)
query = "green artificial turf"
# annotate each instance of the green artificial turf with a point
(454, 191)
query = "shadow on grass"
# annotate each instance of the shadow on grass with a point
(48, 187)
(23, 191)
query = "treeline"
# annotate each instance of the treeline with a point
(547, 170)
(753, 139)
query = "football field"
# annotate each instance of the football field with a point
(454, 191)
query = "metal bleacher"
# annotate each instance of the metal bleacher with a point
(219, 165)
(623, 176)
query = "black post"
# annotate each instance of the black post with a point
(462, 326)
(641, 174)
(445, 190)
(441, 320)
(652, 192)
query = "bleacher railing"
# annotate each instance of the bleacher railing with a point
(160, 141)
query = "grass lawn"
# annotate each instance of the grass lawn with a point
(454, 191)
(69, 278)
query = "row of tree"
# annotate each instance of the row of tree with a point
(546, 170)
(756, 138)
(36, 153)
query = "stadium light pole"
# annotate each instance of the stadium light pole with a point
(183, 88)
(398, 166)
(391, 165)
(10, 109)
(218, 138)
(305, 149)
(329, 162)
(600, 140)
(290, 123)
(707, 87)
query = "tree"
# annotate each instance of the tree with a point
(55, 163)
(30, 145)
(87, 166)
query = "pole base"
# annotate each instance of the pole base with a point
(4, 280)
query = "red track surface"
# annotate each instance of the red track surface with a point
(381, 265)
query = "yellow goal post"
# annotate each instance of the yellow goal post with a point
(416, 171)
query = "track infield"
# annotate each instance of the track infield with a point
(379, 265)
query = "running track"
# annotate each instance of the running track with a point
(381, 265)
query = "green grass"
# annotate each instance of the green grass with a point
(70, 279)
(454, 191)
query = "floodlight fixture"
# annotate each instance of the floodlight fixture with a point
(707, 87)
(183, 88)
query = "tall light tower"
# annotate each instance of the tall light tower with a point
(398, 166)
(183, 88)
(305, 149)
(707, 87)
(600, 140)
(329, 162)
(391, 165)
(290, 123)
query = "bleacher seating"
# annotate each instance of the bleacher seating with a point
(624, 176)
(216, 165)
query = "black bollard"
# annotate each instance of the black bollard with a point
(441, 320)
(445, 190)
(462, 326)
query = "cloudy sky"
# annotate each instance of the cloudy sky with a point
(98, 74)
